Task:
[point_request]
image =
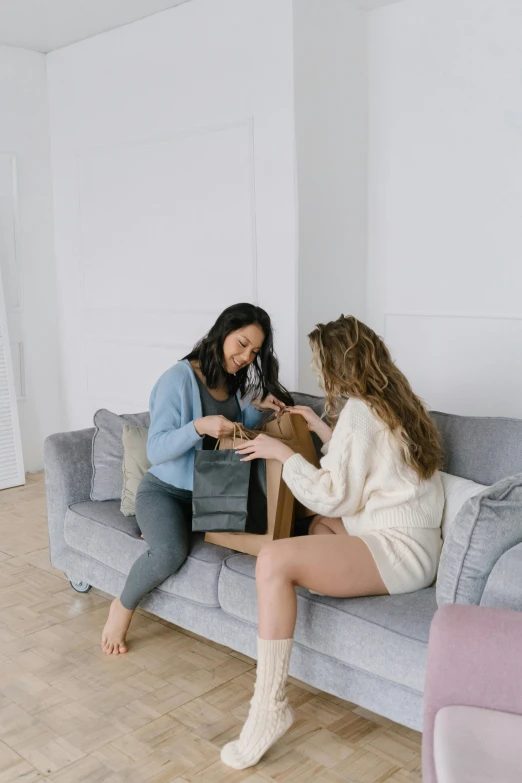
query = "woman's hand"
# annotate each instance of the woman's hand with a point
(215, 426)
(270, 403)
(315, 423)
(265, 447)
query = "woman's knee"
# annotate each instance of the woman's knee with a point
(168, 560)
(271, 563)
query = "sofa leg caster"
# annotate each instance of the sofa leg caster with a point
(80, 587)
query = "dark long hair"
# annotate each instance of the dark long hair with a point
(258, 379)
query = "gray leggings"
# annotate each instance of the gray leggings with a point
(164, 516)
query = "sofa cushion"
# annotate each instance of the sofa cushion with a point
(100, 530)
(135, 465)
(107, 452)
(384, 635)
(456, 491)
(486, 526)
(483, 449)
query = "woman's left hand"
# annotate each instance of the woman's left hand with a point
(265, 447)
(270, 403)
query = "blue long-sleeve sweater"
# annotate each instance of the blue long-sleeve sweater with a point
(175, 403)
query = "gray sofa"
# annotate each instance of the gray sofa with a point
(371, 651)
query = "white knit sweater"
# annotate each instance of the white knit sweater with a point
(363, 478)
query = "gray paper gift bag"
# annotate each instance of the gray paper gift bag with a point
(228, 495)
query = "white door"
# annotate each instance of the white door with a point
(11, 461)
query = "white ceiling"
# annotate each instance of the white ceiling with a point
(45, 25)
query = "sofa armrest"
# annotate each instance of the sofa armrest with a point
(504, 586)
(68, 476)
(473, 661)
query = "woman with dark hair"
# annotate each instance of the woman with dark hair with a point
(192, 405)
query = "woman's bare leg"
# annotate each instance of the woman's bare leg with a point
(340, 565)
(337, 565)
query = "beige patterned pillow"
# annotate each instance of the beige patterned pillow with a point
(135, 464)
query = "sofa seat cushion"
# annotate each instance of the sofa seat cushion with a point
(100, 530)
(384, 635)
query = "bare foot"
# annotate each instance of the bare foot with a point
(113, 636)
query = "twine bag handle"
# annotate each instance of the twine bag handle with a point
(240, 433)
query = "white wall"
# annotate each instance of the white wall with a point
(331, 96)
(173, 161)
(445, 268)
(26, 247)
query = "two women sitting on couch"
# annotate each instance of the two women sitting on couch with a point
(377, 495)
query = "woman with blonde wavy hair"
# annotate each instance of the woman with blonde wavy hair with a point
(378, 501)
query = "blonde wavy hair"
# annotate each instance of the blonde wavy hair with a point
(352, 361)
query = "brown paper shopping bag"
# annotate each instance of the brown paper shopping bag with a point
(281, 505)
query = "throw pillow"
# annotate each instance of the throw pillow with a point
(487, 525)
(135, 465)
(456, 491)
(107, 452)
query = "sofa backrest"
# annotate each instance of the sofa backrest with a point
(484, 449)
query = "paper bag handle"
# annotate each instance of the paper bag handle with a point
(240, 433)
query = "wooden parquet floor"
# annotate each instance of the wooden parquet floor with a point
(160, 714)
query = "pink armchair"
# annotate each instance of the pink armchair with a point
(473, 697)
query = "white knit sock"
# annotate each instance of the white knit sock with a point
(270, 716)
